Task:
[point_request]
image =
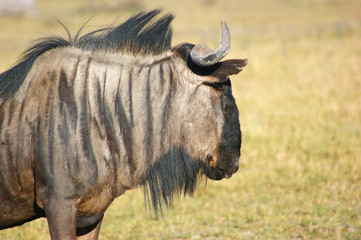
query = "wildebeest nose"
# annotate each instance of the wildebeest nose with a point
(236, 167)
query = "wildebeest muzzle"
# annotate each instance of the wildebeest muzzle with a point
(223, 164)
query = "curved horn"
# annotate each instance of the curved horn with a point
(203, 56)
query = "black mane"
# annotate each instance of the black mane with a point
(140, 34)
(173, 174)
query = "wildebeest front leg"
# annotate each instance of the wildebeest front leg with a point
(61, 216)
(89, 233)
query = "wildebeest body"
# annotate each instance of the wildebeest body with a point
(93, 148)
(90, 121)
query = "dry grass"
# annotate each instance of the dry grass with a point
(300, 108)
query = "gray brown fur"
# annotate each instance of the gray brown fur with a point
(85, 120)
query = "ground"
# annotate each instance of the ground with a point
(300, 109)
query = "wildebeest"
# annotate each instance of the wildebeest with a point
(85, 119)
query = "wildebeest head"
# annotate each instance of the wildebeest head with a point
(211, 125)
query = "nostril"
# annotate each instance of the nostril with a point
(236, 167)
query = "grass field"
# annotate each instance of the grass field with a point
(300, 108)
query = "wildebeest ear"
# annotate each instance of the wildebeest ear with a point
(219, 72)
(229, 67)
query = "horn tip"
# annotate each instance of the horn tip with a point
(224, 24)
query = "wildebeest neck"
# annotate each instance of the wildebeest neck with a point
(174, 173)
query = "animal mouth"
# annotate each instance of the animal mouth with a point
(216, 173)
(224, 172)
(213, 171)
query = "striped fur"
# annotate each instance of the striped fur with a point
(138, 35)
(89, 118)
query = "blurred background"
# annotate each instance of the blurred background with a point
(300, 108)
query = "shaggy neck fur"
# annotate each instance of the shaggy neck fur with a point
(175, 173)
